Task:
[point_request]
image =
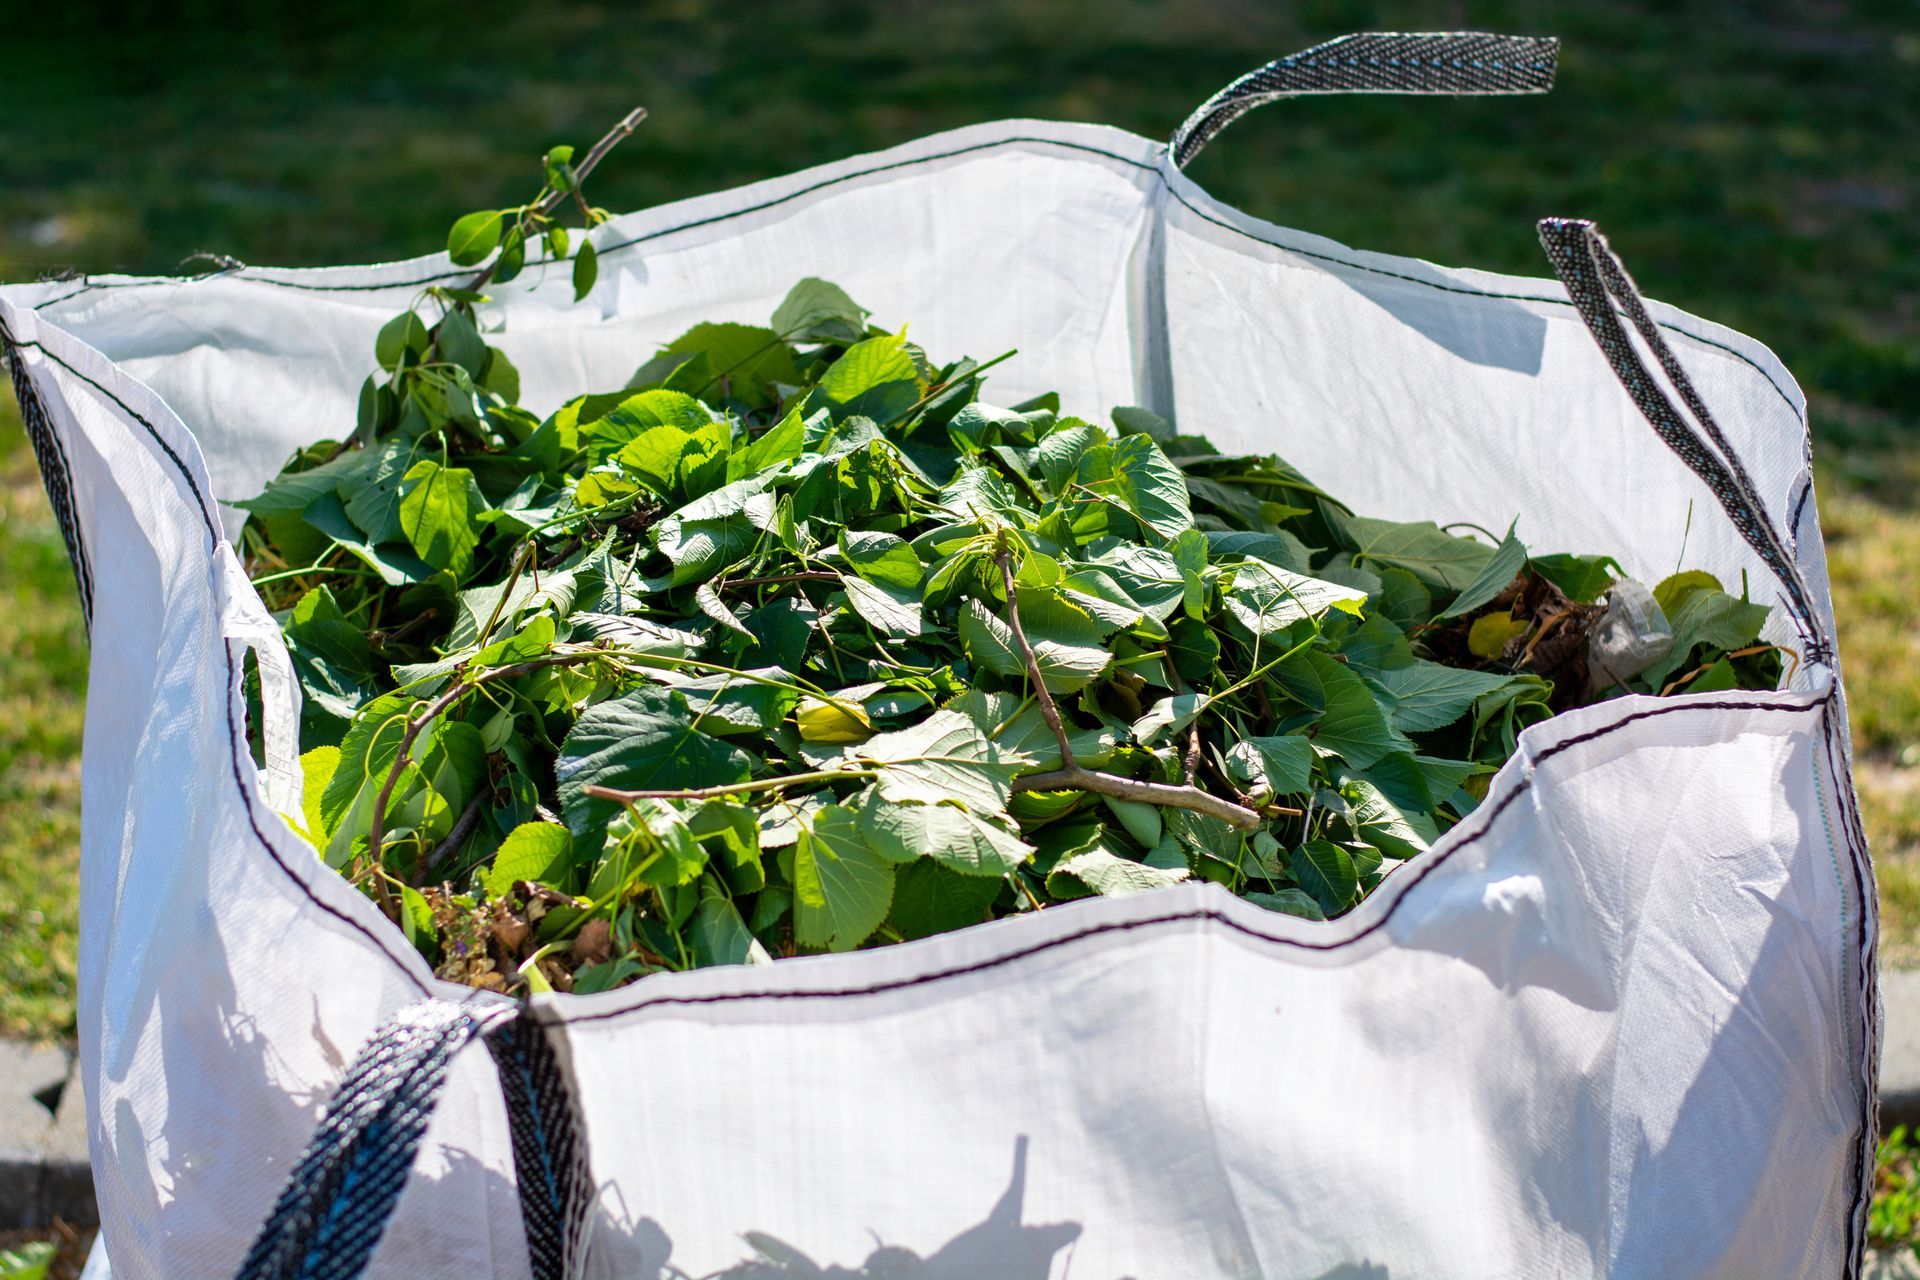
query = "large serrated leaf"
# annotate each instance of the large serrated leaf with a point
(944, 757)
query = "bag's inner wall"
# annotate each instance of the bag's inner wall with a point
(1411, 391)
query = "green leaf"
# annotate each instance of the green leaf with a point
(953, 836)
(437, 509)
(874, 379)
(292, 492)
(882, 559)
(1168, 716)
(889, 610)
(1706, 616)
(743, 360)
(644, 740)
(780, 443)
(718, 935)
(1130, 420)
(1267, 601)
(372, 494)
(1017, 725)
(930, 898)
(1352, 721)
(719, 610)
(586, 269)
(1325, 871)
(558, 167)
(1675, 588)
(944, 757)
(1494, 577)
(1440, 560)
(1099, 869)
(473, 237)
(841, 887)
(513, 255)
(1289, 902)
(535, 851)
(461, 343)
(1149, 486)
(29, 1261)
(1426, 695)
(330, 655)
(316, 772)
(1067, 649)
(416, 921)
(700, 549)
(1583, 579)
(816, 311)
(1284, 763)
(1396, 828)
(1716, 678)
(366, 757)
(404, 333)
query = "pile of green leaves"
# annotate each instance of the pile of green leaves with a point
(796, 643)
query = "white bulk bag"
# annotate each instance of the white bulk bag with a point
(1620, 1022)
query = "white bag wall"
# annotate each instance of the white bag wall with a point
(1619, 1023)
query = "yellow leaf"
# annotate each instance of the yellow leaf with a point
(832, 722)
(1493, 632)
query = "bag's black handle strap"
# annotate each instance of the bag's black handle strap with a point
(54, 472)
(336, 1203)
(1602, 292)
(1379, 62)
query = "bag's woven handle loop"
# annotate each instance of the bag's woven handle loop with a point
(1379, 62)
(54, 472)
(337, 1201)
(1597, 283)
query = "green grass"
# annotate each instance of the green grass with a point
(1751, 162)
(42, 681)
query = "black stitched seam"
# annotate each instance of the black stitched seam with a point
(1858, 858)
(213, 528)
(948, 155)
(651, 235)
(246, 797)
(1411, 879)
(1799, 509)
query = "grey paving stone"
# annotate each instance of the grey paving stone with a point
(27, 1074)
(1890, 1266)
(44, 1172)
(1900, 1048)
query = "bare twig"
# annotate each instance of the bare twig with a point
(446, 848)
(588, 162)
(780, 579)
(1160, 793)
(619, 796)
(376, 831)
(1071, 776)
(1048, 711)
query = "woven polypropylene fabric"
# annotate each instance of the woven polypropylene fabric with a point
(1438, 62)
(336, 1203)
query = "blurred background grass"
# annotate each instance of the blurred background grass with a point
(1753, 163)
